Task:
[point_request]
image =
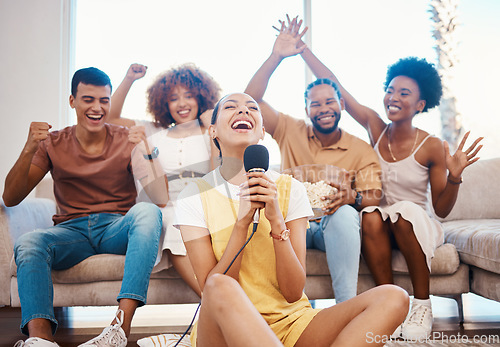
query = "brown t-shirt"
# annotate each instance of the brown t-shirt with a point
(299, 146)
(85, 184)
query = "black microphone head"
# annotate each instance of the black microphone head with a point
(256, 157)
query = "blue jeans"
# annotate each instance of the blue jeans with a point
(338, 235)
(60, 247)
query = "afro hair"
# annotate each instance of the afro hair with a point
(424, 73)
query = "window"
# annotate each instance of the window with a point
(230, 39)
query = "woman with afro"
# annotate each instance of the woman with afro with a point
(180, 100)
(412, 161)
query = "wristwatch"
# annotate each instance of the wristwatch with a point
(153, 155)
(283, 236)
(358, 200)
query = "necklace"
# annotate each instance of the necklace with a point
(389, 143)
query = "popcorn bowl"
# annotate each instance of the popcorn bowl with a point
(317, 179)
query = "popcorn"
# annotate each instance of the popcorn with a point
(317, 190)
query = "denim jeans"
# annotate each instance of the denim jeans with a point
(60, 247)
(338, 235)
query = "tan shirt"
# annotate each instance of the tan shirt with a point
(299, 146)
(85, 184)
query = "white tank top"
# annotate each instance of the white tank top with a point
(404, 180)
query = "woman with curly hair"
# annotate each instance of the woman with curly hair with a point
(412, 162)
(180, 101)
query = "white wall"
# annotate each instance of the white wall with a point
(35, 62)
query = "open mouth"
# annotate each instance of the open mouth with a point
(242, 125)
(393, 108)
(95, 117)
(183, 112)
(326, 117)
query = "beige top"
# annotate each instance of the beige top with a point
(299, 146)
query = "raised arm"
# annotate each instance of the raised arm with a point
(134, 72)
(365, 116)
(148, 172)
(284, 46)
(446, 172)
(24, 176)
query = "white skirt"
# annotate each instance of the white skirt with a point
(170, 239)
(428, 231)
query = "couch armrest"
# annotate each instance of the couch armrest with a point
(30, 214)
(5, 256)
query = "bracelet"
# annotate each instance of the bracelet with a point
(153, 155)
(455, 182)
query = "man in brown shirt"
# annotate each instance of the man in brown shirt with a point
(91, 164)
(323, 142)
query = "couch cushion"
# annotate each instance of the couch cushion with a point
(477, 242)
(100, 267)
(478, 194)
(445, 261)
(30, 214)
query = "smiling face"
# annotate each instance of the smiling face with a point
(402, 99)
(238, 123)
(183, 105)
(324, 108)
(91, 104)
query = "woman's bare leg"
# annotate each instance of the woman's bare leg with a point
(183, 266)
(365, 320)
(376, 247)
(414, 256)
(228, 317)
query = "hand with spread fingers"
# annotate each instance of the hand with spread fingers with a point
(457, 162)
(289, 41)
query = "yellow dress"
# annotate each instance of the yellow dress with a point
(257, 274)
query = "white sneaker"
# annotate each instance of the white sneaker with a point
(36, 342)
(418, 324)
(165, 340)
(112, 336)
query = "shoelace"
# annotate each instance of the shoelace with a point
(417, 315)
(111, 334)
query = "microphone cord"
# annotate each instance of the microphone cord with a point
(254, 229)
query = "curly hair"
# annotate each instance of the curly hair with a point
(200, 83)
(422, 72)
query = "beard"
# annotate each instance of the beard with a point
(328, 130)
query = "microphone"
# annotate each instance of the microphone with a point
(256, 159)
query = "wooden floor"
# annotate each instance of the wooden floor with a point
(80, 324)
